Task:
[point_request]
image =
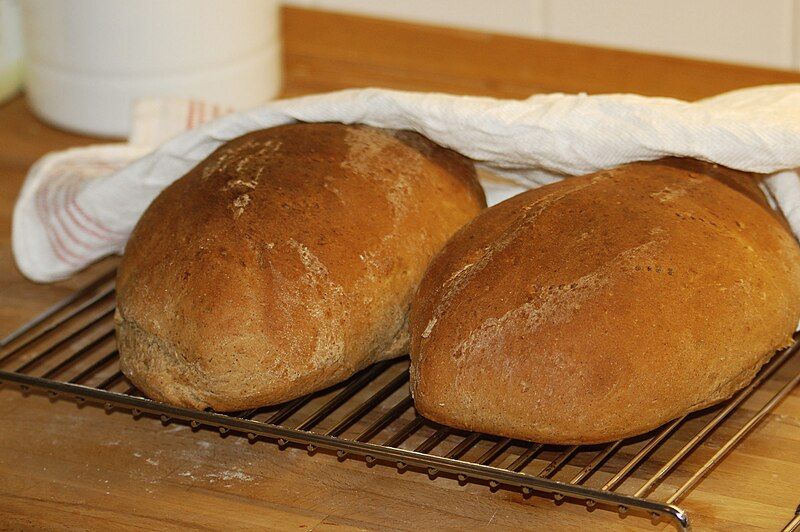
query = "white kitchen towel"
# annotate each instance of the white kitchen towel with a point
(80, 205)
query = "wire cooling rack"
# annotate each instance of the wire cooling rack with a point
(70, 351)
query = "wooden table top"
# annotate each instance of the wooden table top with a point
(64, 468)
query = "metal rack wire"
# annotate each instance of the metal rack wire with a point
(70, 351)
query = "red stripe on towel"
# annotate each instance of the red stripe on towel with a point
(71, 202)
(43, 207)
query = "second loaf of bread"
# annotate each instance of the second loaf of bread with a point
(285, 262)
(605, 305)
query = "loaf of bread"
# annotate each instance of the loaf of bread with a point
(285, 262)
(603, 306)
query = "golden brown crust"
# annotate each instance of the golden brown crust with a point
(605, 305)
(285, 262)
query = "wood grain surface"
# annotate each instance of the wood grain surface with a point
(64, 467)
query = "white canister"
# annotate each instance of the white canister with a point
(87, 61)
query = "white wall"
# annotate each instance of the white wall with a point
(756, 32)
